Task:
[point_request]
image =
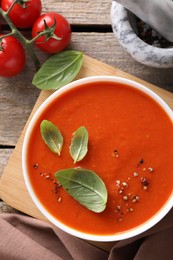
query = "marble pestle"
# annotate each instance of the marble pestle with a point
(156, 13)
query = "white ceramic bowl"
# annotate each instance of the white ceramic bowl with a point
(142, 52)
(133, 232)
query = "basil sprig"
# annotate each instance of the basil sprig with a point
(51, 136)
(85, 186)
(79, 144)
(58, 70)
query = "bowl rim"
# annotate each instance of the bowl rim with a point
(87, 236)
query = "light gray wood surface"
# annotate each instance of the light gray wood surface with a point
(91, 26)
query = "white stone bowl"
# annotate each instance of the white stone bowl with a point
(123, 25)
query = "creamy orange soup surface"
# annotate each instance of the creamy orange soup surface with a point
(130, 148)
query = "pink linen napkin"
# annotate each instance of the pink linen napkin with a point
(23, 237)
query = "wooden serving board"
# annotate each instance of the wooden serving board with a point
(12, 187)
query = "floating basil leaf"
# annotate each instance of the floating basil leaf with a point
(79, 144)
(51, 136)
(85, 186)
(58, 70)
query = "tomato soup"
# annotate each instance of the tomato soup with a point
(130, 148)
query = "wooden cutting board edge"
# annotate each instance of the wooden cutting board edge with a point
(12, 187)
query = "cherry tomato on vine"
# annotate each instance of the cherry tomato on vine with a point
(62, 31)
(23, 16)
(12, 56)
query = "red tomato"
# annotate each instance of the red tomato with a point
(12, 57)
(62, 30)
(23, 17)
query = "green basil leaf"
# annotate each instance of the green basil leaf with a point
(79, 144)
(51, 136)
(85, 186)
(58, 70)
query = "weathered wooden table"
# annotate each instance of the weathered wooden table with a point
(92, 34)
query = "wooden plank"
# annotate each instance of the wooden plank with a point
(18, 95)
(12, 187)
(4, 208)
(80, 11)
(4, 157)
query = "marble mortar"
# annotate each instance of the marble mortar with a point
(123, 25)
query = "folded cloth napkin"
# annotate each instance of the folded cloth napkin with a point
(23, 237)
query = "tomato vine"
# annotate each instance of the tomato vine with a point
(50, 32)
(47, 31)
(15, 32)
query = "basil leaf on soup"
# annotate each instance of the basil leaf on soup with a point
(51, 136)
(58, 70)
(79, 144)
(85, 186)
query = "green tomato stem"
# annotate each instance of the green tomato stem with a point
(48, 32)
(16, 2)
(37, 36)
(20, 37)
(11, 6)
(8, 34)
(32, 54)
